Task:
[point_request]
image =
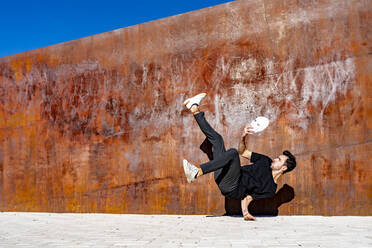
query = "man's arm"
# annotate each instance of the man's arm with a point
(245, 203)
(242, 149)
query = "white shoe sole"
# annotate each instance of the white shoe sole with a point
(194, 100)
(187, 171)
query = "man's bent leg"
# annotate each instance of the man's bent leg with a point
(219, 162)
(228, 165)
(228, 180)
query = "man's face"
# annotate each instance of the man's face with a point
(278, 163)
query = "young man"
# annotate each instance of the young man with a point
(254, 181)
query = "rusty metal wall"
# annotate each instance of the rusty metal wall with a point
(97, 124)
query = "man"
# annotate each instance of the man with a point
(254, 181)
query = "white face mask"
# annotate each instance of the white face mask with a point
(259, 124)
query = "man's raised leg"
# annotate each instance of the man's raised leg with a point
(214, 138)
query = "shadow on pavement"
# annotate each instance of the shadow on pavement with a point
(262, 207)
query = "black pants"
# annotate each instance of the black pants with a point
(224, 164)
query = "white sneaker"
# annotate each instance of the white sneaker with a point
(190, 171)
(194, 100)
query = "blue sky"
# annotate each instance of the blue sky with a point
(27, 25)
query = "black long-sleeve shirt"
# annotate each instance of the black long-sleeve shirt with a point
(257, 178)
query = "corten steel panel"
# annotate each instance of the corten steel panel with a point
(97, 124)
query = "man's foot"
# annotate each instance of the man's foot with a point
(194, 100)
(190, 171)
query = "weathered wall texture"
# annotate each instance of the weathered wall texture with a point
(97, 124)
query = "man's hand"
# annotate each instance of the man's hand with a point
(249, 217)
(248, 129)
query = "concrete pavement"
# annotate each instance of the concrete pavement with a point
(126, 230)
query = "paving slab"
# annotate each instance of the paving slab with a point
(20, 229)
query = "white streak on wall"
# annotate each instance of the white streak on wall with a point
(318, 85)
(245, 69)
